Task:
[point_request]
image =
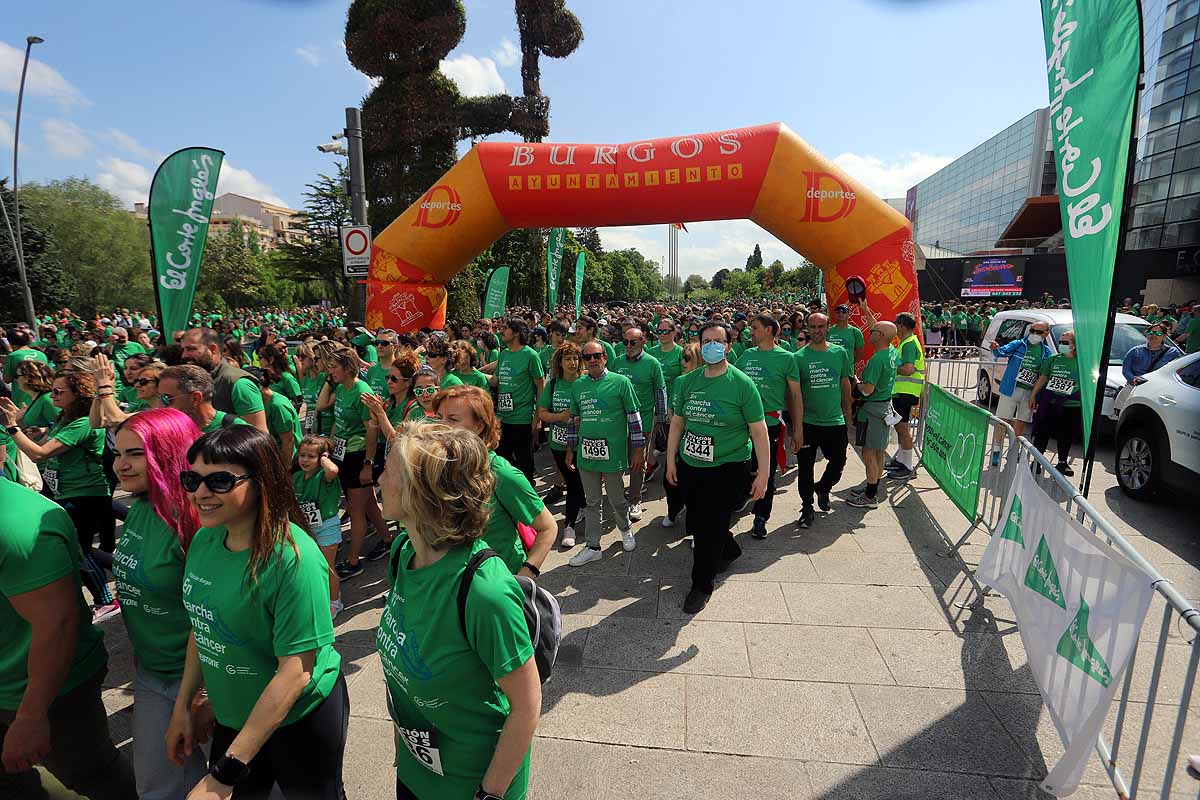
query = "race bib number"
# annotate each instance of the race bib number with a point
(339, 449)
(311, 512)
(50, 479)
(558, 435)
(595, 449)
(1027, 377)
(423, 745)
(1061, 385)
(505, 402)
(310, 420)
(698, 447)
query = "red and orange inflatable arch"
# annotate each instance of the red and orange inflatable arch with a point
(765, 173)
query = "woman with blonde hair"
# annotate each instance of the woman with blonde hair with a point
(465, 709)
(312, 379)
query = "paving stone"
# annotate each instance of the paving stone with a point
(843, 782)
(603, 595)
(368, 768)
(562, 768)
(1162, 730)
(359, 620)
(859, 606)
(733, 601)
(614, 707)
(828, 535)
(666, 560)
(815, 653)
(939, 729)
(782, 719)
(576, 628)
(663, 645)
(615, 562)
(638, 773)
(119, 705)
(355, 661)
(947, 660)
(772, 565)
(894, 539)
(370, 693)
(879, 569)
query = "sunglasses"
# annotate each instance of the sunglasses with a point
(632, 342)
(145, 381)
(167, 399)
(383, 343)
(217, 482)
(57, 392)
(425, 391)
(1156, 333)
(664, 331)
(393, 379)
(592, 356)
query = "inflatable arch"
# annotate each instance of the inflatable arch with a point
(765, 173)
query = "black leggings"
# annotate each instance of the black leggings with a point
(832, 441)
(304, 758)
(571, 478)
(710, 494)
(764, 505)
(1061, 422)
(516, 445)
(93, 516)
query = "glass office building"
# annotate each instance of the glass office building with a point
(1166, 193)
(967, 205)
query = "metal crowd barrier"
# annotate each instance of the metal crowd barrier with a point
(951, 352)
(959, 376)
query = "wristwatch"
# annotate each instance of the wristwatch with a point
(229, 770)
(11, 429)
(484, 795)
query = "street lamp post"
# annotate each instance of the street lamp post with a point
(18, 244)
(357, 190)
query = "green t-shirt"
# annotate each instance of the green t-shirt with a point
(288, 386)
(974, 322)
(1031, 366)
(671, 362)
(787, 343)
(1062, 378)
(717, 415)
(516, 372)
(350, 419)
(450, 379)
(556, 398)
(513, 501)
(222, 420)
(148, 566)
(821, 373)
(10, 457)
(442, 690)
(40, 413)
(319, 499)
(282, 418)
(959, 321)
(241, 628)
(416, 413)
(12, 362)
(475, 378)
(881, 373)
(122, 353)
(647, 378)
(38, 547)
(545, 355)
(849, 337)
(377, 379)
(770, 370)
(603, 407)
(1193, 333)
(78, 472)
(246, 397)
(310, 391)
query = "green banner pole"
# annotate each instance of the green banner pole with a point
(579, 263)
(554, 252)
(179, 210)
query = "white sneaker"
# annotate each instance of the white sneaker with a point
(692, 542)
(627, 540)
(668, 522)
(568, 539)
(635, 513)
(336, 607)
(584, 556)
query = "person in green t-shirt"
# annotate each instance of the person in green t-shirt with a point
(825, 385)
(554, 408)
(650, 389)
(717, 424)
(518, 379)
(1191, 335)
(53, 661)
(387, 350)
(319, 494)
(274, 357)
(283, 423)
(877, 384)
(23, 350)
(466, 361)
(36, 380)
(148, 567)
(846, 334)
(465, 707)
(438, 356)
(1055, 401)
(424, 389)
(256, 590)
(669, 354)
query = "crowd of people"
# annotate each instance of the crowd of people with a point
(243, 446)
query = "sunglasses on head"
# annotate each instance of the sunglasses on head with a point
(423, 391)
(592, 356)
(145, 381)
(217, 482)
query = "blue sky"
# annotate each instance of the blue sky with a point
(890, 89)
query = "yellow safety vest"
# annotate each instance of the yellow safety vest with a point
(912, 384)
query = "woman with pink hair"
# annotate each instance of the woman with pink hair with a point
(151, 451)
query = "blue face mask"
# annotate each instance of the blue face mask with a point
(713, 352)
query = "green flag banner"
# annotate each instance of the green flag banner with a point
(181, 200)
(554, 252)
(1093, 56)
(495, 294)
(956, 437)
(579, 285)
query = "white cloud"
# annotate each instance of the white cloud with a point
(705, 248)
(65, 139)
(41, 80)
(475, 76)
(891, 178)
(507, 54)
(132, 146)
(128, 181)
(311, 54)
(6, 135)
(241, 181)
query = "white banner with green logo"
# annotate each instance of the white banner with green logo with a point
(1079, 606)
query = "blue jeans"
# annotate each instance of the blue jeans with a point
(158, 778)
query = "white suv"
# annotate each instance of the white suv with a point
(1158, 434)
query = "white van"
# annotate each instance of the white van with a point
(1128, 333)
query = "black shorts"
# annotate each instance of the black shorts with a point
(350, 467)
(903, 403)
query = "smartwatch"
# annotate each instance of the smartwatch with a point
(484, 795)
(229, 770)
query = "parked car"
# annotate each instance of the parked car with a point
(1158, 433)
(1129, 332)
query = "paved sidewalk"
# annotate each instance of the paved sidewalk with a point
(830, 663)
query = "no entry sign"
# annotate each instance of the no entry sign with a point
(356, 250)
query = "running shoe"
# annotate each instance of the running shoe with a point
(382, 549)
(627, 541)
(902, 474)
(806, 518)
(1065, 469)
(892, 463)
(862, 501)
(695, 601)
(823, 500)
(568, 537)
(336, 607)
(554, 495)
(759, 531)
(346, 570)
(585, 556)
(104, 611)
(635, 512)
(668, 522)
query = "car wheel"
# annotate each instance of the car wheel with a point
(1139, 462)
(983, 389)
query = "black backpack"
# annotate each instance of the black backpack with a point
(542, 614)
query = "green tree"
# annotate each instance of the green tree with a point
(47, 283)
(804, 278)
(755, 259)
(718, 280)
(316, 264)
(233, 270)
(772, 274)
(741, 284)
(589, 238)
(696, 282)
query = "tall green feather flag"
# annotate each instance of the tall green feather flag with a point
(180, 207)
(579, 285)
(495, 293)
(554, 252)
(1093, 57)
